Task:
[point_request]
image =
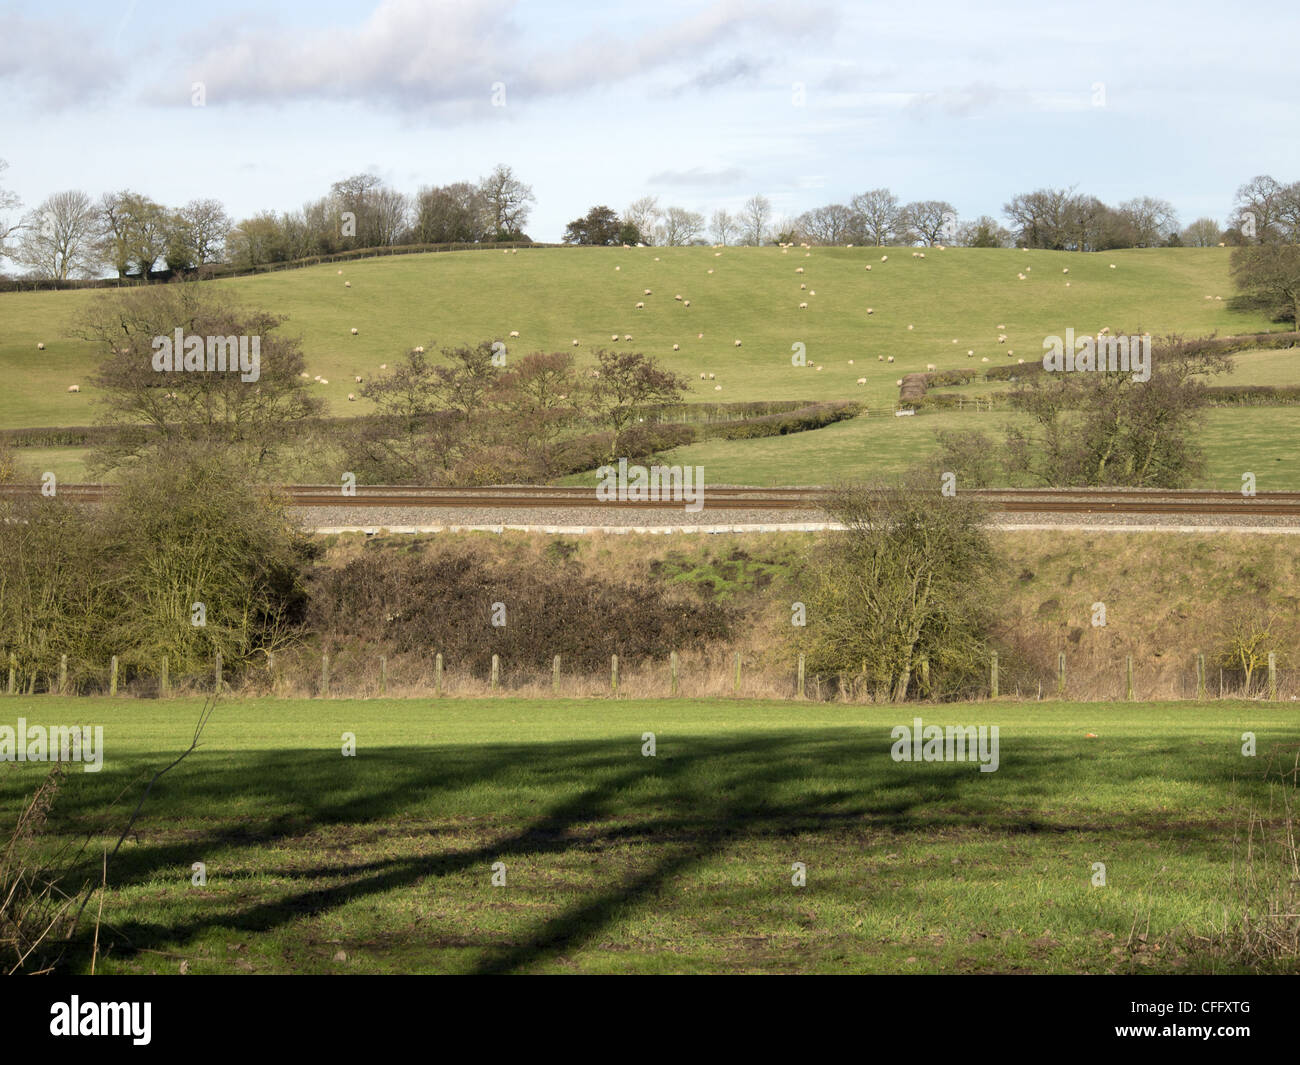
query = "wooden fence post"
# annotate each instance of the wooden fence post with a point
(993, 676)
(1200, 676)
(799, 684)
(218, 673)
(13, 671)
(383, 674)
(1128, 677)
(1060, 675)
(672, 669)
(63, 674)
(164, 679)
(555, 675)
(1272, 675)
(735, 683)
(496, 672)
(613, 673)
(437, 675)
(112, 675)
(324, 674)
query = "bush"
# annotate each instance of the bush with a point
(813, 416)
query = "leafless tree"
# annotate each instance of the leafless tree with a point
(722, 226)
(876, 216)
(754, 219)
(59, 237)
(680, 226)
(506, 201)
(644, 213)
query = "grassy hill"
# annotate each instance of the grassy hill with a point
(553, 296)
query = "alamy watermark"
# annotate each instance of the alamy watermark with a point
(958, 743)
(196, 354)
(639, 484)
(1100, 354)
(57, 743)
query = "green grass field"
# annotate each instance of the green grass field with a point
(616, 862)
(553, 296)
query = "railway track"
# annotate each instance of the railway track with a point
(1024, 501)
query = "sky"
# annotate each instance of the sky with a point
(700, 103)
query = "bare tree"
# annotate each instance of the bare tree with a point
(1203, 233)
(1267, 277)
(644, 214)
(1041, 219)
(449, 214)
(680, 226)
(722, 226)
(826, 225)
(930, 220)
(754, 219)
(59, 237)
(8, 202)
(206, 224)
(1153, 220)
(876, 216)
(506, 201)
(1257, 208)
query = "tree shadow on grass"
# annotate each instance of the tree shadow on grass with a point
(690, 802)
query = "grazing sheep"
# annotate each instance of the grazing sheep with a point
(304, 374)
(356, 380)
(891, 358)
(880, 358)
(1000, 326)
(710, 271)
(712, 376)
(737, 343)
(802, 285)
(899, 381)
(1010, 352)
(717, 388)
(1066, 270)
(862, 380)
(324, 381)
(686, 303)
(1112, 266)
(818, 367)
(316, 378)
(1220, 298)
(700, 336)
(575, 343)
(40, 346)
(674, 347)
(678, 296)
(985, 359)
(954, 340)
(384, 365)
(351, 398)
(1021, 276)
(850, 362)
(803, 306)
(717, 254)
(871, 310)
(614, 336)
(514, 251)
(884, 258)
(514, 333)
(970, 353)
(798, 269)
(347, 284)
(656, 258)
(909, 328)
(1028, 269)
(647, 292)
(340, 271)
(74, 388)
(930, 366)
(618, 268)
(627, 336)
(812, 292)
(1067, 284)
(354, 330)
(1020, 362)
(640, 306)
(868, 267)
(703, 376)
(921, 256)
(1002, 338)
(418, 351)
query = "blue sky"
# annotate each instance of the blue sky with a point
(695, 102)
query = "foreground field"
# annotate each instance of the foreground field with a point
(681, 862)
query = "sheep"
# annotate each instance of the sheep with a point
(703, 376)
(803, 286)
(304, 374)
(1066, 270)
(798, 269)
(914, 254)
(640, 306)
(40, 346)
(803, 306)
(909, 328)
(618, 268)
(1028, 269)
(351, 398)
(418, 351)
(818, 367)
(575, 343)
(1112, 266)
(1002, 338)
(737, 343)
(614, 336)
(1020, 362)
(970, 352)
(340, 271)
(812, 292)
(884, 258)
(354, 330)
(675, 347)
(717, 254)
(921, 256)
(647, 292)
(850, 362)
(1067, 284)
(862, 380)
(356, 379)
(627, 337)
(1010, 352)
(656, 258)
(710, 271)
(514, 251)
(74, 388)
(954, 340)
(899, 382)
(1021, 276)
(514, 333)
(717, 388)
(868, 267)
(871, 310)
(324, 381)
(686, 303)
(1001, 327)
(1220, 298)
(880, 358)
(700, 336)
(316, 378)
(984, 359)
(384, 365)
(712, 376)
(678, 297)
(930, 366)
(347, 284)
(891, 358)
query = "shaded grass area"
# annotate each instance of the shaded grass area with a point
(682, 862)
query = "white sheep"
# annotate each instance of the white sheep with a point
(812, 292)
(418, 351)
(930, 366)
(324, 381)
(803, 306)
(384, 365)
(347, 284)
(618, 268)
(703, 376)
(357, 380)
(712, 376)
(868, 267)
(1002, 338)
(340, 271)
(910, 328)
(316, 378)
(627, 336)
(674, 347)
(884, 258)
(304, 374)
(40, 346)
(798, 269)
(647, 292)
(1021, 276)
(803, 285)
(354, 330)
(514, 333)
(1112, 266)
(686, 303)
(614, 336)
(640, 306)
(970, 353)
(710, 271)
(985, 359)
(74, 388)
(1066, 270)
(700, 336)
(737, 343)
(891, 358)
(871, 310)
(818, 367)
(899, 381)
(678, 297)
(575, 343)
(717, 388)
(351, 398)
(850, 362)
(862, 380)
